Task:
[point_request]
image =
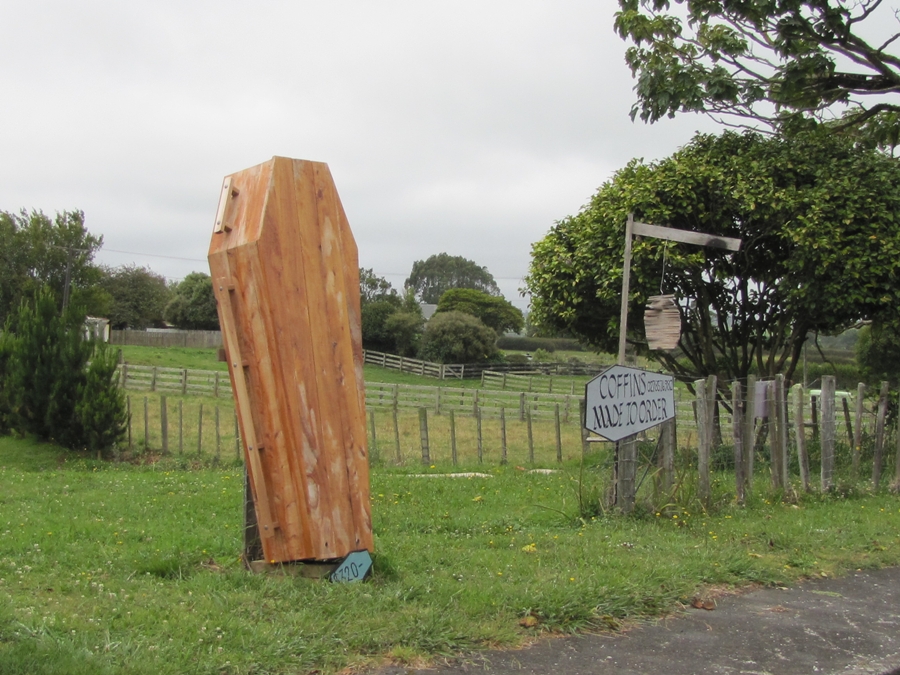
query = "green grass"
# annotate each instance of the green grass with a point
(173, 357)
(134, 569)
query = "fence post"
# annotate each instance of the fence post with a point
(522, 406)
(184, 378)
(475, 403)
(845, 404)
(397, 435)
(374, 451)
(218, 437)
(164, 423)
(800, 432)
(814, 415)
(200, 432)
(423, 435)
(153, 379)
(180, 427)
(503, 459)
(749, 433)
(857, 431)
(669, 440)
(478, 434)
(437, 401)
(558, 434)
(530, 436)
(124, 373)
(216, 386)
(895, 486)
(146, 424)
(582, 411)
(128, 410)
(779, 451)
(452, 437)
(827, 472)
(878, 459)
(237, 437)
(704, 435)
(737, 434)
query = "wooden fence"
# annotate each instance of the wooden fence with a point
(182, 381)
(199, 339)
(798, 437)
(405, 364)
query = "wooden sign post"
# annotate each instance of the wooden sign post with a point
(626, 448)
(286, 279)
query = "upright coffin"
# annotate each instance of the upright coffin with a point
(286, 278)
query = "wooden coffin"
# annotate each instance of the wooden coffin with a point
(286, 278)
(662, 322)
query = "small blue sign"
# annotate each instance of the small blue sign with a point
(355, 567)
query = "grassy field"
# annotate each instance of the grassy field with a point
(134, 569)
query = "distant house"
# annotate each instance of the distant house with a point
(428, 310)
(96, 329)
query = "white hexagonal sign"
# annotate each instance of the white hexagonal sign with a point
(623, 401)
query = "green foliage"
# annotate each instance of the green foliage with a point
(49, 389)
(530, 344)
(373, 287)
(780, 63)
(193, 305)
(455, 337)
(818, 217)
(35, 251)
(878, 351)
(543, 356)
(374, 314)
(404, 329)
(138, 297)
(100, 410)
(431, 278)
(494, 311)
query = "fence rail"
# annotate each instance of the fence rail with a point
(198, 339)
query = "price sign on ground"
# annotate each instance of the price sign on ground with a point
(623, 401)
(355, 567)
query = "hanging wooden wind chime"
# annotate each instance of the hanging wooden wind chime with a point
(662, 322)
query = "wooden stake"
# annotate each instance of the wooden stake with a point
(878, 459)
(827, 472)
(423, 435)
(737, 433)
(180, 427)
(530, 436)
(857, 432)
(218, 437)
(558, 434)
(503, 459)
(798, 392)
(396, 435)
(453, 437)
(478, 435)
(374, 451)
(749, 433)
(669, 442)
(164, 424)
(200, 432)
(146, 424)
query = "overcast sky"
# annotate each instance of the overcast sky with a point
(465, 127)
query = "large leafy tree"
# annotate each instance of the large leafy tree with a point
(495, 312)
(431, 278)
(772, 61)
(820, 222)
(193, 304)
(138, 296)
(373, 287)
(36, 251)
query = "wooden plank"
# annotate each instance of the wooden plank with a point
(686, 236)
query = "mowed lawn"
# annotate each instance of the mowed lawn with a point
(135, 569)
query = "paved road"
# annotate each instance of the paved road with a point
(849, 626)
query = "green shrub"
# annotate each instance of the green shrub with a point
(49, 389)
(456, 337)
(543, 356)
